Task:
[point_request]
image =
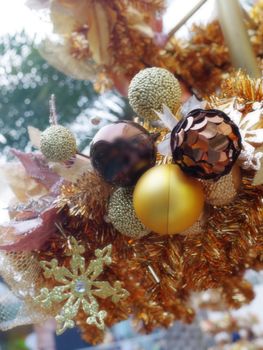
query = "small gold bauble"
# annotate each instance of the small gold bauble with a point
(58, 144)
(122, 214)
(223, 191)
(152, 88)
(167, 201)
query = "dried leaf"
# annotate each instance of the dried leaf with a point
(63, 18)
(81, 165)
(191, 104)
(258, 179)
(136, 20)
(149, 5)
(255, 136)
(100, 20)
(30, 234)
(34, 136)
(31, 209)
(58, 55)
(23, 187)
(167, 117)
(67, 15)
(250, 121)
(164, 147)
(36, 167)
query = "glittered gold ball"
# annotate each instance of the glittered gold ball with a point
(167, 201)
(152, 88)
(58, 143)
(223, 191)
(122, 215)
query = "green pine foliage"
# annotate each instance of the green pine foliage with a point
(26, 83)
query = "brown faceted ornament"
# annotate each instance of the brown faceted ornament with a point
(206, 144)
(122, 152)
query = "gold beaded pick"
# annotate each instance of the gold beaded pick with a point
(79, 287)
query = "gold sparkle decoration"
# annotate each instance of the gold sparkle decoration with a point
(79, 45)
(201, 60)
(110, 41)
(160, 272)
(241, 98)
(148, 5)
(89, 194)
(256, 26)
(122, 215)
(245, 88)
(78, 287)
(96, 33)
(224, 190)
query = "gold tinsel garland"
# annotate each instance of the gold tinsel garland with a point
(148, 5)
(242, 87)
(132, 47)
(113, 40)
(200, 61)
(88, 194)
(116, 36)
(159, 272)
(203, 62)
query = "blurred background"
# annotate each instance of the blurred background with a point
(26, 83)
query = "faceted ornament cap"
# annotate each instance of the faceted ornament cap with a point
(206, 144)
(58, 143)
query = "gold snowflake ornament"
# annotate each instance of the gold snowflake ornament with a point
(79, 287)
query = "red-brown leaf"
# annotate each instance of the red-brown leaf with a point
(36, 167)
(30, 234)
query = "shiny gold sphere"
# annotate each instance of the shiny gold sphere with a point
(166, 200)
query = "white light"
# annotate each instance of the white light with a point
(177, 9)
(15, 16)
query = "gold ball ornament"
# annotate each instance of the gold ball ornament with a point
(167, 201)
(58, 144)
(223, 191)
(152, 88)
(122, 214)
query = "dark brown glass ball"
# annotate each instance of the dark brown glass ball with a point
(122, 152)
(206, 144)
